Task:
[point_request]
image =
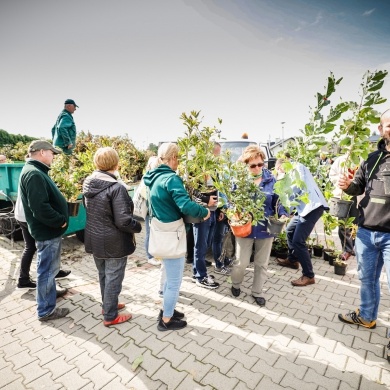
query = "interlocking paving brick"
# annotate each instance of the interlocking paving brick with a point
(195, 368)
(72, 380)
(174, 355)
(44, 382)
(306, 348)
(98, 376)
(122, 369)
(219, 381)
(142, 382)
(357, 354)
(13, 349)
(58, 367)
(21, 359)
(372, 373)
(84, 362)
(312, 376)
(223, 364)
(131, 350)
(31, 371)
(154, 344)
(250, 377)
(115, 384)
(8, 375)
(351, 378)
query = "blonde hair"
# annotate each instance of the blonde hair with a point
(106, 159)
(152, 163)
(251, 152)
(166, 152)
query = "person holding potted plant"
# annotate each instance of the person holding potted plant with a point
(302, 223)
(254, 158)
(169, 201)
(372, 245)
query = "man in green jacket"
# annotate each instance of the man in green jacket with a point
(64, 131)
(46, 213)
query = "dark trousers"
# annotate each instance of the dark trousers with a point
(298, 230)
(347, 242)
(27, 255)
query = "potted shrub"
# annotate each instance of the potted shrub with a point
(243, 200)
(317, 247)
(280, 246)
(354, 132)
(198, 166)
(340, 267)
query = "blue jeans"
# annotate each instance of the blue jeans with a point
(220, 230)
(174, 269)
(298, 230)
(147, 233)
(201, 239)
(372, 251)
(111, 274)
(48, 265)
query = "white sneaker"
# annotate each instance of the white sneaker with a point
(153, 261)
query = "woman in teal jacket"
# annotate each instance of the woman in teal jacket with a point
(169, 201)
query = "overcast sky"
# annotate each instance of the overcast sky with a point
(133, 66)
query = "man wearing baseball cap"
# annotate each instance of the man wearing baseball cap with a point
(46, 213)
(64, 131)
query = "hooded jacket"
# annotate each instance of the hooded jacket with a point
(374, 208)
(168, 197)
(110, 227)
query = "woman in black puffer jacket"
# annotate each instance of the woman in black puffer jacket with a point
(109, 231)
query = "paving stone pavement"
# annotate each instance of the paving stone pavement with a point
(294, 342)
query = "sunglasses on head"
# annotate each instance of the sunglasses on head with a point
(256, 165)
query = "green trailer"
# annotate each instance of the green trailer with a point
(9, 181)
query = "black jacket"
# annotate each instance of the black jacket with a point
(110, 227)
(374, 208)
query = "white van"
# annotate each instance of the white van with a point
(237, 147)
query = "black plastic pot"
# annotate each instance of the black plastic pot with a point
(326, 253)
(317, 251)
(189, 219)
(275, 226)
(332, 257)
(73, 208)
(339, 270)
(281, 254)
(339, 208)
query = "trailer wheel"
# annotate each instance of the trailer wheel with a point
(80, 235)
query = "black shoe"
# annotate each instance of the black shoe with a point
(176, 314)
(172, 324)
(236, 292)
(62, 274)
(55, 315)
(27, 285)
(207, 282)
(189, 261)
(61, 292)
(194, 279)
(208, 263)
(259, 300)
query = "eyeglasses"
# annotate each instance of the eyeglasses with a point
(256, 165)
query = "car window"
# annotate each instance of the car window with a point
(236, 148)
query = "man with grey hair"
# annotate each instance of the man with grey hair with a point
(3, 159)
(46, 213)
(64, 131)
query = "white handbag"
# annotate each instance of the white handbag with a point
(167, 240)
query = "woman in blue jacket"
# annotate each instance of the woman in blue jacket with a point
(254, 158)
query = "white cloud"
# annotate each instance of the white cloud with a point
(369, 12)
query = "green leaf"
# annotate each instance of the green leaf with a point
(137, 361)
(376, 86)
(380, 75)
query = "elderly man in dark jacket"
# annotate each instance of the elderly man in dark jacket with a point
(46, 213)
(109, 232)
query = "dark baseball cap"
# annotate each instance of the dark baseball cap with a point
(42, 145)
(70, 101)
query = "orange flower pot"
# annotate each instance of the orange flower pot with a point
(242, 230)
